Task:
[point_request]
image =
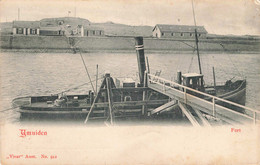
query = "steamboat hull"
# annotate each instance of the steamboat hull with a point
(39, 107)
(128, 103)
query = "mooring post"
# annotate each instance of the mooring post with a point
(214, 78)
(179, 77)
(185, 96)
(140, 58)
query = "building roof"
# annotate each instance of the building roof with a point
(26, 24)
(73, 21)
(51, 28)
(180, 28)
(93, 28)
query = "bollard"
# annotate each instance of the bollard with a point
(179, 81)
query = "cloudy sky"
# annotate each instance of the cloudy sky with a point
(237, 17)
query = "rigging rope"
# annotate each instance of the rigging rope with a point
(188, 45)
(191, 62)
(72, 44)
(212, 29)
(241, 75)
(8, 109)
(221, 66)
(87, 72)
(78, 86)
(57, 93)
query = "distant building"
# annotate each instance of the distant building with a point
(51, 31)
(26, 27)
(66, 26)
(64, 21)
(80, 30)
(77, 31)
(178, 31)
(93, 31)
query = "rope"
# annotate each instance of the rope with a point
(78, 86)
(179, 62)
(191, 63)
(8, 109)
(234, 66)
(206, 65)
(188, 45)
(57, 93)
(221, 66)
(87, 72)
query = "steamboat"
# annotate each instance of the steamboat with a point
(124, 98)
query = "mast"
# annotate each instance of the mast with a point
(196, 37)
(18, 14)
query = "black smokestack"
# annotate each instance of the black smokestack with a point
(139, 46)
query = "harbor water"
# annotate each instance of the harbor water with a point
(32, 74)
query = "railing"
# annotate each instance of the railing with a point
(175, 86)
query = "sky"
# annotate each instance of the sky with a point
(238, 17)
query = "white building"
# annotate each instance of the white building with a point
(26, 27)
(178, 31)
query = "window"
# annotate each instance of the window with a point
(190, 81)
(20, 31)
(191, 34)
(33, 31)
(94, 32)
(172, 34)
(181, 34)
(162, 34)
(199, 35)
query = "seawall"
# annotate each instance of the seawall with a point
(115, 43)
